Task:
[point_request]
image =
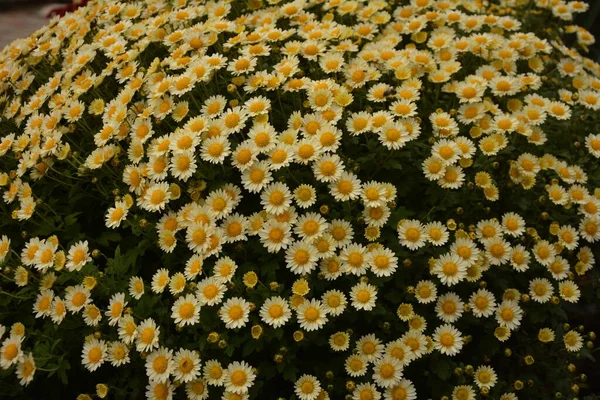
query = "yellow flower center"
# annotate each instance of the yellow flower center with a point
(446, 339)
(160, 364)
(238, 378)
(363, 296)
(236, 312)
(312, 314)
(186, 311)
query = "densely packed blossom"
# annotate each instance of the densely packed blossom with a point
(310, 198)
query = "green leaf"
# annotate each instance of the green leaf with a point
(290, 372)
(441, 368)
(120, 264)
(71, 219)
(248, 348)
(109, 236)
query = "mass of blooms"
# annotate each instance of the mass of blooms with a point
(308, 199)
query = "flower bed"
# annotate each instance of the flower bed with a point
(300, 200)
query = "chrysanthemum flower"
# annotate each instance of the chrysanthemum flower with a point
(93, 354)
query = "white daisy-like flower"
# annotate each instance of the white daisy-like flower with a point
(446, 150)
(136, 287)
(449, 307)
(569, 291)
(544, 252)
(210, 291)
(186, 310)
(328, 168)
(93, 354)
(11, 352)
(450, 269)
(519, 258)
(463, 392)
(224, 269)
(78, 256)
(59, 310)
(301, 257)
(26, 369)
(488, 229)
(186, 365)
(244, 155)
(347, 187)
(485, 377)
(127, 328)
(497, 251)
(311, 315)
(403, 390)
(573, 341)
(147, 335)
(355, 259)
(281, 156)
(307, 387)
(370, 347)
(513, 224)
(42, 306)
(193, 267)
(387, 371)
(509, 314)
(275, 312)
(425, 292)
(219, 203)
(363, 296)
(540, 290)
(156, 197)
(183, 164)
(160, 280)
(399, 351)
(92, 315)
(592, 143)
(214, 373)
(448, 340)
(310, 225)
(324, 246)
(77, 297)
(159, 390)
(589, 229)
(305, 196)
(159, 364)
(275, 235)
(257, 105)
(116, 306)
(393, 135)
(339, 341)
(239, 377)
(568, 237)
(197, 389)
(356, 365)
(118, 354)
(411, 234)
(276, 198)
(483, 303)
(45, 255)
(235, 313)
(373, 194)
(376, 216)
(334, 302)
(366, 391)
(341, 231)
(434, 168)
(383, 262)
(466, 250)
(257, 176)
(263, 136)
